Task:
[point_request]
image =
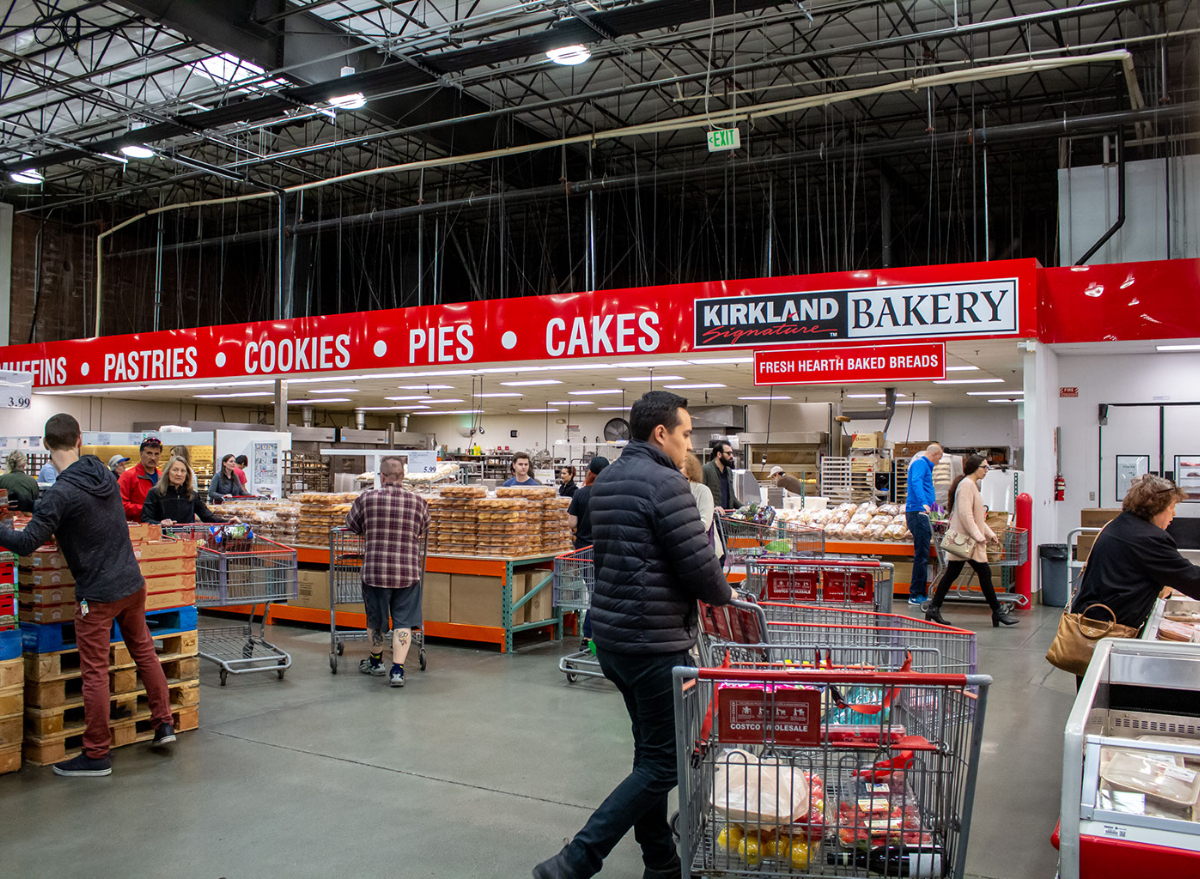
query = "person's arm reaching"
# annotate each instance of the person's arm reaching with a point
(203, 513)
(1165, 565)
(685, 543)
(40, 528)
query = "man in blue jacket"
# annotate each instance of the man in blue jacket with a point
(916, 514)
(652, 562)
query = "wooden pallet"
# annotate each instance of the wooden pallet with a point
(65, 663)
(10, 758)
(43, 752)
(68, 718)
(11, 674)
(65, 691)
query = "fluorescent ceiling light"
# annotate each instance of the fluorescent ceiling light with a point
(776, 397)
(410, 407)
(351, 101)
(613, 409)
(539, 410)
(431, 400)
(1156, 347)
(319, 400)
(532, 383)
(596, 393)
(228, 396)
(909, 403)
(459, 411)
(334, 391)
(29, 175)
(961, 368)
(720, 360)
(693, 387)
(500, 394)
(571, 403)
(649, 378)
(569, 55)
(991, 393)
(969, 381)
(874, 396)
(402, 399)
(1006, 401)
(652, 364)
(426, 387)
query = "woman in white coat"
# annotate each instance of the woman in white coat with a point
(968, 516)
(705, 503)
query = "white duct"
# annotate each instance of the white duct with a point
(360, 419)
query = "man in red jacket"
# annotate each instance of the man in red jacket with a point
(136, 482)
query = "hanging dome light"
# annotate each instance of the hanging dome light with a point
(348, 102)
(30, 175)
(137, 150)
(569, 55)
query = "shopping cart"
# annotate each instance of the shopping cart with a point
(346, 553)
(840, 582)
(574, 579)
(1010, 551)
(744, 539)
(819, 636)
(774, 782)
(249, 571)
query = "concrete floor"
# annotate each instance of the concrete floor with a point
(479, 768)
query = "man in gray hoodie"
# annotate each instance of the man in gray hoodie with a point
(82, 511)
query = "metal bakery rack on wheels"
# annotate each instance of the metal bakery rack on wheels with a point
(346, 553)
(241, 571)
(833, 582)
(1008, 554)
(779, 776)
(574, 579)
(1131, 764)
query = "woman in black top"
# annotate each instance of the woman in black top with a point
(173, 501)
(566, 482)
(1134, 557)
(226, 482)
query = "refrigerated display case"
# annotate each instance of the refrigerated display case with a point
(1187, 476)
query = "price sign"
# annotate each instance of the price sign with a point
(15, 389)
(422, 462)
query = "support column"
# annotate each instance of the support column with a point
(281, 405)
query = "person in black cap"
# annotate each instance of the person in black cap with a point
(581, 521)
(136, 482)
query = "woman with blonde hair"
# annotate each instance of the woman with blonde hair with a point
(705, 503)
(174, 500)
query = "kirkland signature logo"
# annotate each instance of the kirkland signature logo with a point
(971, 308)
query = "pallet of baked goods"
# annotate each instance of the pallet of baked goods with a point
(275, 520)
(320, 512)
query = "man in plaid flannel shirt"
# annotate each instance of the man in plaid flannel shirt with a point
(393, 521)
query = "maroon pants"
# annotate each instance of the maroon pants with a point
(93, 633)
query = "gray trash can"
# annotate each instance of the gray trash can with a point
(1053, 572)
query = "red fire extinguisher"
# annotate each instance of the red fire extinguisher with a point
(1060, 488)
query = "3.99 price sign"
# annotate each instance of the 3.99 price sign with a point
(15, 389)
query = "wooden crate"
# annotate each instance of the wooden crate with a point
(43, 722)
(44, 752)
(65, 663)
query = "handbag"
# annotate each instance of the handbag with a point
(1075, 641)
(958, 544)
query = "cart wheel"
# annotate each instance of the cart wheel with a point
(675, 826)
(572, 677)
(224, 677)
(341, 647)
(333, 663)
(421, 659)
(280, 673)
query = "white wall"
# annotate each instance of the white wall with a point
(1125, 378)
(787, 417)
(532, 430)
(99, 413)
(1042, 414)
(1088, 207)
(992, 425)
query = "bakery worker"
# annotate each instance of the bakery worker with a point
(787, 483)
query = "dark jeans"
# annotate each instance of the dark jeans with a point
(640, 801)
(982, 571)
(922, 533)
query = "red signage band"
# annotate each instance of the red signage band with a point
(851, 364)
(965, 301)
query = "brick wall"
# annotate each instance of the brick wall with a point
(67, 283)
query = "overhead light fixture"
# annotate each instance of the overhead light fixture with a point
(458, 412)
(432, 400)
(410, 407)
(776, 397)
(352, 101)
(1006, 401)
(961, 368)
(596, 393)
(693, 387)
(613, 409)
(569, 55)
(137, 150)
(989, 393)
(649, 378)
(407, 399)
(653, 364)
(722, 360)
(29, 175)
(1177, 347)
(318, 401)
(909, 403)
(230, 396)
(969, 381)
(426, 387)
(873, 396)
(570, 402)
(531, 383)
(334, 391)
(500, 394)
(539, 410)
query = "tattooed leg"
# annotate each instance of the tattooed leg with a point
(378, 639)
(401, 640)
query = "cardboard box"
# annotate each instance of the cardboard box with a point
(46, 613)
(43, 559)
(179, 598)
(42, 578)
(162, 567)
(541, 606)
(312, 591)
(520, 586)
(1097, 518)
(475, 601)
(142, 531)
(48, 595)
(164, 549)
(435, 598)
(909, 450)
(869, 440)
(170, 583)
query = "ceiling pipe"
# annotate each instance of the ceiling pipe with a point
(1112, 230)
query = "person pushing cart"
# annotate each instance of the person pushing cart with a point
(392, 522)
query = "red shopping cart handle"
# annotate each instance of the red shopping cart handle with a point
(850, 676)
(822, 563)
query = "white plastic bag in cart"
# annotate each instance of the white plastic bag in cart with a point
(748, 791)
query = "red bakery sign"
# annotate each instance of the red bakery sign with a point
(850, 364)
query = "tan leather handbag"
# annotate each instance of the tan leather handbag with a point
(1073, 644)
(958, 544)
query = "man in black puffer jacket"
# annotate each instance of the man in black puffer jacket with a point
(653, 561)
(83, 512)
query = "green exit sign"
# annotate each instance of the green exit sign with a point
(724, 139)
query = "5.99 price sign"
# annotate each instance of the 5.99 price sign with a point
(15, 389)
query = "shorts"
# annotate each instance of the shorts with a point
(402, 605)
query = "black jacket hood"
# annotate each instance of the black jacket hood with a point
(89, 474)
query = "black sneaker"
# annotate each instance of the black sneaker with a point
(84, 766)
(164, 735)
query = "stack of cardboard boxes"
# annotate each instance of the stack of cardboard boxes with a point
(12, 683)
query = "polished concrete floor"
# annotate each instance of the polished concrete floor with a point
(480, 767)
